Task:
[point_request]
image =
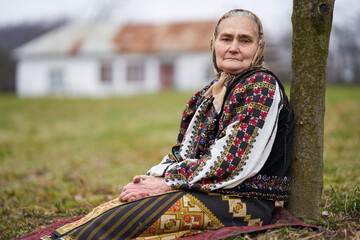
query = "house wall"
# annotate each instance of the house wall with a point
(193, 71)
(82, 76)
(150, 83)
(79, 77)
(30, 78)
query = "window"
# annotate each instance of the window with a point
(106, 72)
(135, 71)
(56, 79)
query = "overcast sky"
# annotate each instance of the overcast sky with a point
(275, 14)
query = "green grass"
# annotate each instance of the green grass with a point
(61, 157)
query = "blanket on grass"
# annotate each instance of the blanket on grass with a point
(281, 217)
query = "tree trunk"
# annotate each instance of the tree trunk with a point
(312, 20)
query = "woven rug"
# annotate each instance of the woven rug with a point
(281, 217)
(47, 230)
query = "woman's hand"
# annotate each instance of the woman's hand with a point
(143, 186)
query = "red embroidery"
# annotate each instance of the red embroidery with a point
(263, 115)
(271, 93)
(243, 127)
(229, 157)
(247, 137)
(253, 121)
(237, 142)
(249, 99)
(220, 172)
(241, 117)
(262, 99)
(267, 78)
(185, 115)
(240, 152)
(233, 99)
(231, 168)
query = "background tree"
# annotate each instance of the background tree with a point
(344, 59)
(312, 21)
(13, 36)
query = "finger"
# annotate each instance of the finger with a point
(130, 187)
(128, 196)
(126, 189)
(127, 186)
(125, 195)
(143, 195)
(136, 179)
(140, 195)
(143, 177)
(121, 196)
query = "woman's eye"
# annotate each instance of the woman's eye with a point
(226, 39)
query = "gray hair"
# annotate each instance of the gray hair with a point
(233, 13)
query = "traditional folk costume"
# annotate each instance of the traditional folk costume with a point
(230, 164)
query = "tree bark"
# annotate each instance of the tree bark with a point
(311, 20)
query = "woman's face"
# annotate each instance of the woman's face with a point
(236, 44)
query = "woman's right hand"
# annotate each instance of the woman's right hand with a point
(143, 186)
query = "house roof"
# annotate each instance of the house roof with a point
(105, 39)
(74, 39)
(176, 37)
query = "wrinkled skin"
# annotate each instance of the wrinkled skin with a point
(143, 186)
(236, 44)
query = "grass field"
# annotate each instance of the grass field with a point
(61, 157)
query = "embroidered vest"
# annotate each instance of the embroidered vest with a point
(273, 180)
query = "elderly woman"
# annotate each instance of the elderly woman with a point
(232, 158)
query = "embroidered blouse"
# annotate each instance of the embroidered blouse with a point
(231, 151)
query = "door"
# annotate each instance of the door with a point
(167, 74)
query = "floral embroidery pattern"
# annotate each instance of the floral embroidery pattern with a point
(215, 149)
(264, 186)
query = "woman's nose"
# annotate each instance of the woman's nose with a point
(234, 47)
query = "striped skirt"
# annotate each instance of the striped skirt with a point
(167, 216)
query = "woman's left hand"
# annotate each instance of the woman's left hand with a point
(143, 186)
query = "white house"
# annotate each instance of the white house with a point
(103, 59)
